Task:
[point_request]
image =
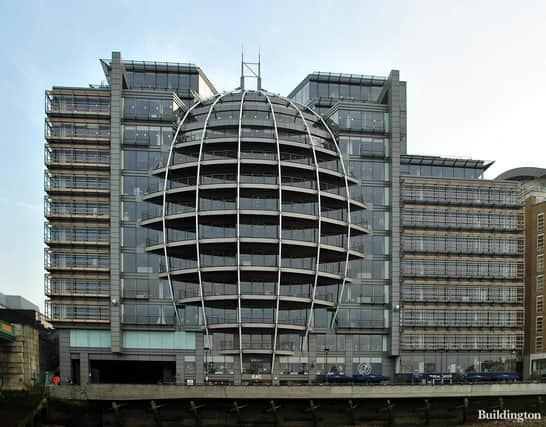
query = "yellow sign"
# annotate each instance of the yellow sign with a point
(6, 327)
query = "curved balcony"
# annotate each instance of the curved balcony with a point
(334, 207)
(286, 139)
(225, 301)
(265, 324)
(191, 272)
(256, 131)
(187, 166)
(186, 249)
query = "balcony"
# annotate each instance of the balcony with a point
(71, 105)
(76, 261)
(84, 184)
(57, 108)
(76, 287)
(94, 133)
(77, 313)
(54, 235)
(63, 209)
(459, 196)
(462, 324)
(57, 158)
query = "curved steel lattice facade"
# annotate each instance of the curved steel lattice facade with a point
(257, 220)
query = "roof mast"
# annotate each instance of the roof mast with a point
(253, 69)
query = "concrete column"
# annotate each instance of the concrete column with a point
(394, 97)
(312, 355)
(179, 368)
(116, 87)
(388, 366)
(237, 377)
(199, 359)
(84, 369)
(527, 367)
(349, 355)
(64, 355)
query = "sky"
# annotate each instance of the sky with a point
(475, 75)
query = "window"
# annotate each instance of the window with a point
(147, 135)
(364, 343)
(540, 263)
(140, 263)
(220, 365)
(538, 345)
(148, 314)
(540, 326)
(137, 185)
(540, 304)
(140, 160)
(540, 222)
(331, 342)
(380, 220)
(540, 243)
(293, 365)
(145, 288)
(374, 171)
(148, 109)
(540, 284)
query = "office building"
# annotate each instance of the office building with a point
(244, 236)
(533, 198)
(462, 268)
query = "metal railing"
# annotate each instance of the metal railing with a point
(76, 312)
(75, 156)
(75, 182)
(83, 235)
(69, 260)
(54, 207)
(76, 130)
(76, 286)
(68, 107)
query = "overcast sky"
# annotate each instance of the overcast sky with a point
(475, 72)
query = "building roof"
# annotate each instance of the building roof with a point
(16, 302)
(158, 66)
(413, 159)
(25, 317)
(522, 174)
(358, 79)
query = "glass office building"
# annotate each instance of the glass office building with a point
(243, 236)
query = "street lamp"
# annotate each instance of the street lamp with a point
(326, 350)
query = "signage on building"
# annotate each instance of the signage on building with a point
(364, 369)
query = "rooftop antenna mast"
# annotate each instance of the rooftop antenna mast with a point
(252, 70)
